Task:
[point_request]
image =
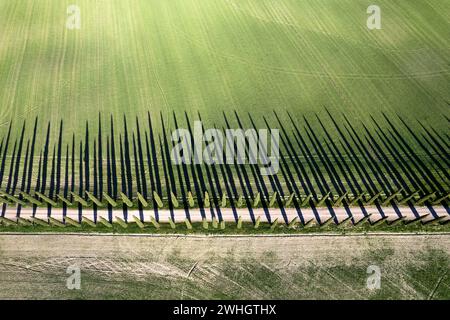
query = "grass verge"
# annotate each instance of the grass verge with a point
(247, 228)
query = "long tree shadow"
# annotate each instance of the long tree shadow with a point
(371, 162)
(151, 174)
(45, 161)
(141, 160)
(344, 168)
(66, 183)
(324, 159)
(437, 139)
(182, 190)
(187, 180)
(287, 175)
(138, 178)
(5, 145)
(299, 168)
(114, 183)
(123, 178)
(381, 179)
(242, 175)
(403, 165)
(329, 168)
(17, 159)
(127, 159)
(196, 161)
(72, 169)
(58, 159)
(95, 176)
(314, 168)
(196, 173)
(80, 183)
(37, 186)
(361, 160)
(170, 177)
(109, 182)
(257, 178)
(52, 182)
(24, 177)
(31, 158)
(359, 166)
(391, 170)
(229, 183)
(166, 179)
(439, 153)
(353, 156)
(86, 164)
(8, 184)
(415, 181)
(418, 160)
(213, 185)
(155, 165)
(273, 179)
(427, 175)
(28, 168)
(17, 165)
(444, 142)
(100, 159)
(24, 174)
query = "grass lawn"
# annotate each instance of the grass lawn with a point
(218, 55)
(247, 228)
(209, 57)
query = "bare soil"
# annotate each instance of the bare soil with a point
(221, 267)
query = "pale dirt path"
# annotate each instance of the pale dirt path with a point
(261, 267)
(227, 214)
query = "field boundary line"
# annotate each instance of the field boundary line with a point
(208, 236)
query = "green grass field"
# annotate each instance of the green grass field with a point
(218, 55)
(252, 56)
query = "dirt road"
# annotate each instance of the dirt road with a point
(227, 214)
